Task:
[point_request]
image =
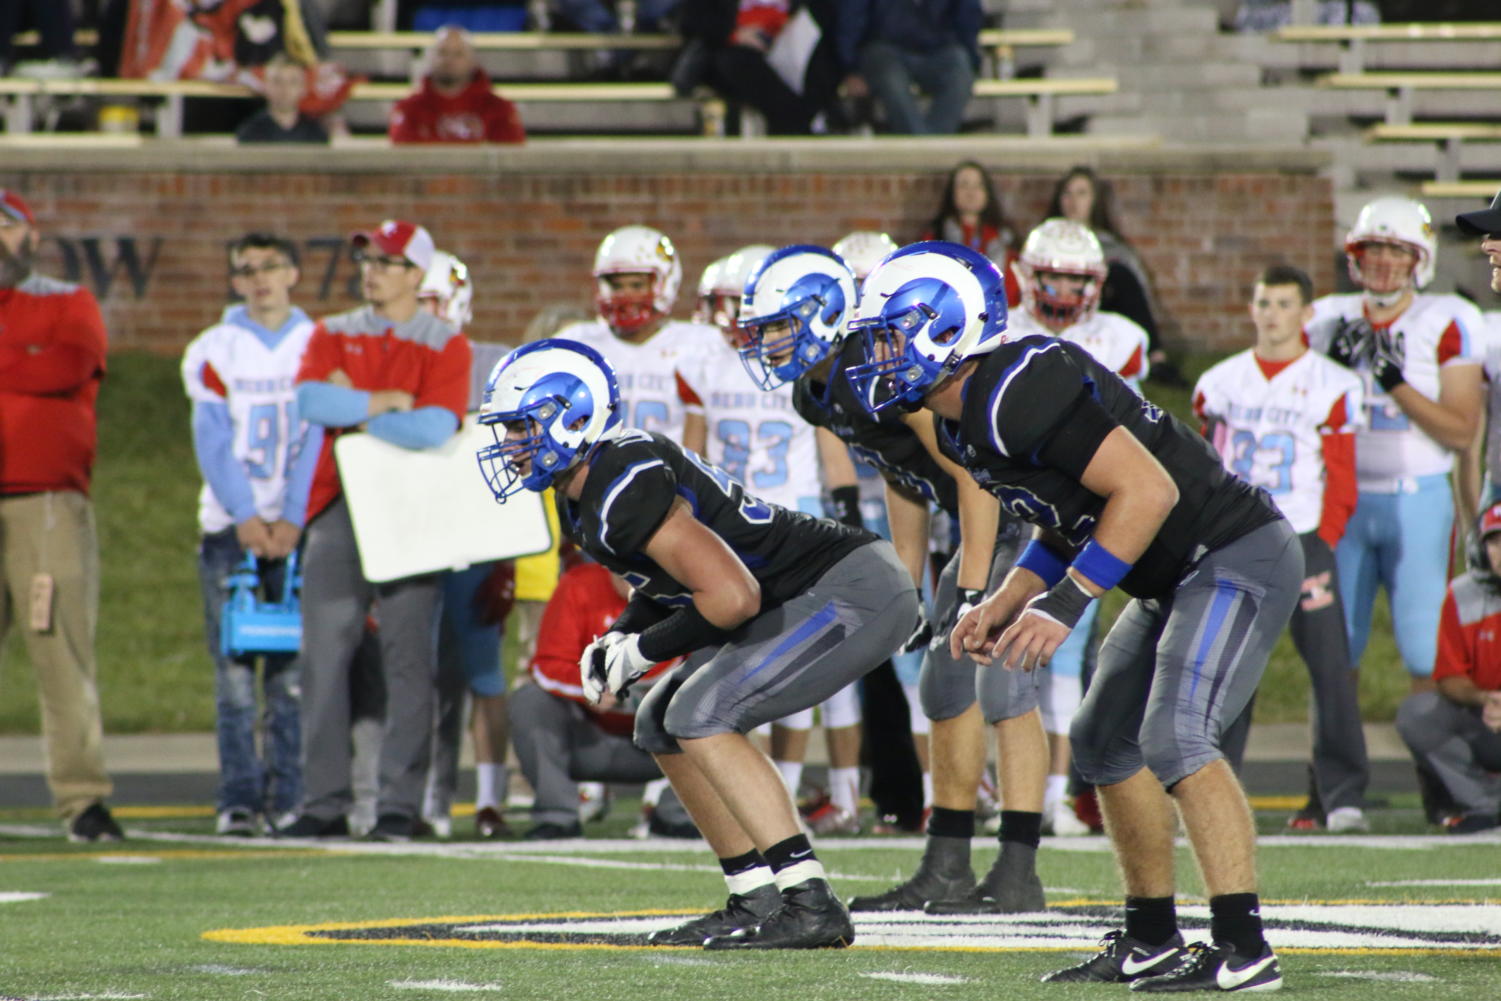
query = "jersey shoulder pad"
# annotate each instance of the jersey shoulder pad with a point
(630, 489)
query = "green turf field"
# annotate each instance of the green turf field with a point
(176, 915)
(154, 671)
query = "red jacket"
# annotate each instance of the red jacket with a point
(1469, 634)
(584, 606)
(52, 346)
(477, 114)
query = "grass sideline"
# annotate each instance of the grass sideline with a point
(172, 915)
(155, 674)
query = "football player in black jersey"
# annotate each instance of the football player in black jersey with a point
(792, 317)
(1121, 494)
(776, 611)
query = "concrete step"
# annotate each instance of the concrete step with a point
(1196, 78)
(1250, 127)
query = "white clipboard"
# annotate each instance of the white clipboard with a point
(417, 512)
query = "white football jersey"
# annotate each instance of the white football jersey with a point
(756, 436)
(229, 364)
(1492, 341)
(1270, 432)
(1436, 331)
(658, 378)
(1113, 340)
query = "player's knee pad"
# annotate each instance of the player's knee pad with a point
(1006, 694)
(946, 686)
(651, 731)
(1172, 757)
(842, 709)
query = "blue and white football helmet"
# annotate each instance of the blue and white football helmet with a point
(923, 311)
(793, 312)
(549, 404)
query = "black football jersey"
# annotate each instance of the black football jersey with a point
(1022, 439)
(883, 441)
(632, 483)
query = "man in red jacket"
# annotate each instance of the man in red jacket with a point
(52, 346)
(455, 103)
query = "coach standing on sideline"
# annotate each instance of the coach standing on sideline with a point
(52, 345)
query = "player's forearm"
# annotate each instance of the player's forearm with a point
(1462, 691)
(908, 520)
(979, 521)
(1454, 427)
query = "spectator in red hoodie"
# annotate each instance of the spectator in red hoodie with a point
(52, 346)
(455, 103)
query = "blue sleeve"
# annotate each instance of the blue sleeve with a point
(213, 444)
(425, 427)
(332, 406)
(300, 475)
(849, 32)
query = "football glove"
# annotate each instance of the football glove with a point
(968, 599)
(1388, 354)
(1351, 343)
(610, 664)
(922, 633)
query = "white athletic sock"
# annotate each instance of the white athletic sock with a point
(792, 775)
(1057, 791)
(491, 782)
(844, 789)
(927, 790)
(751, 879)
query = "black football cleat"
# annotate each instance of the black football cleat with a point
(1010, 887)
(810, 917)
(1122, 959)
(943, 874)
(1217, 967)
(742, 910)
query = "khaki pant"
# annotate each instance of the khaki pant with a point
(51, 535)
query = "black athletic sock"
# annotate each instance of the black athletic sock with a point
(945, 823)
(1022, 827)
(791, 852)
(1152, 920)
(742, 863)
(1236, 918)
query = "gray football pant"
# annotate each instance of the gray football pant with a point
(1451, 741)
(1174, 672)
(335, 600)
(559, 745)
(790, 658)
(949, 685)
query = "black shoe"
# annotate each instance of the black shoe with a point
(309, 826)
(554, 832)
(1472, 823)
(809, 917)
(95, 824)
(669, 829)
(943, 874)
(1217, 967)
(1010, 887)
(397, 828)
(742, 910)
(1121, 959)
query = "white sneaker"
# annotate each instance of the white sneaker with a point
(1060, 820)
(237, 822)
(1347, 820)
(594, 801)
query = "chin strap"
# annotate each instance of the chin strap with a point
(1384, 300)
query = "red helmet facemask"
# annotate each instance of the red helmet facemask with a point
(626, 312)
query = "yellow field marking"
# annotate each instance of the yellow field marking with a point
(1277, 802)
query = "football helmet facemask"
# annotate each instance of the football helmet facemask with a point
(548, 404)
(793, 312)
(923, 312)
(446, 283)
(1398, 220)
(636, 250)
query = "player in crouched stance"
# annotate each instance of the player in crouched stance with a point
(777, 610)
(1121, 493)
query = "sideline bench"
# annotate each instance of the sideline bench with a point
(1353, 39)
(1400, 86)
(1484, 190)
(1448, 135)
(1040, 93)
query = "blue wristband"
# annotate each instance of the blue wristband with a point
(1042, 561)
(1100, 566)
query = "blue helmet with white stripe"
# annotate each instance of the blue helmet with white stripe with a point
(923, 311)
(793, 312)
(548, 404)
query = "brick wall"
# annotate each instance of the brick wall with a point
(150, 238)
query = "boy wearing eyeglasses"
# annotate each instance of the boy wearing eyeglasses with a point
(251, 449)
(401, 373)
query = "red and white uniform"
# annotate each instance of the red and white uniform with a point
(229, 364)
(1114, 341)
(584, 606)
(1288, 427)
(756, 436)
(658, 379)
(1436, 331)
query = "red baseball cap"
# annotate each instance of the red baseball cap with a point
(399, 239)
(1490, 521)
(12, 206)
